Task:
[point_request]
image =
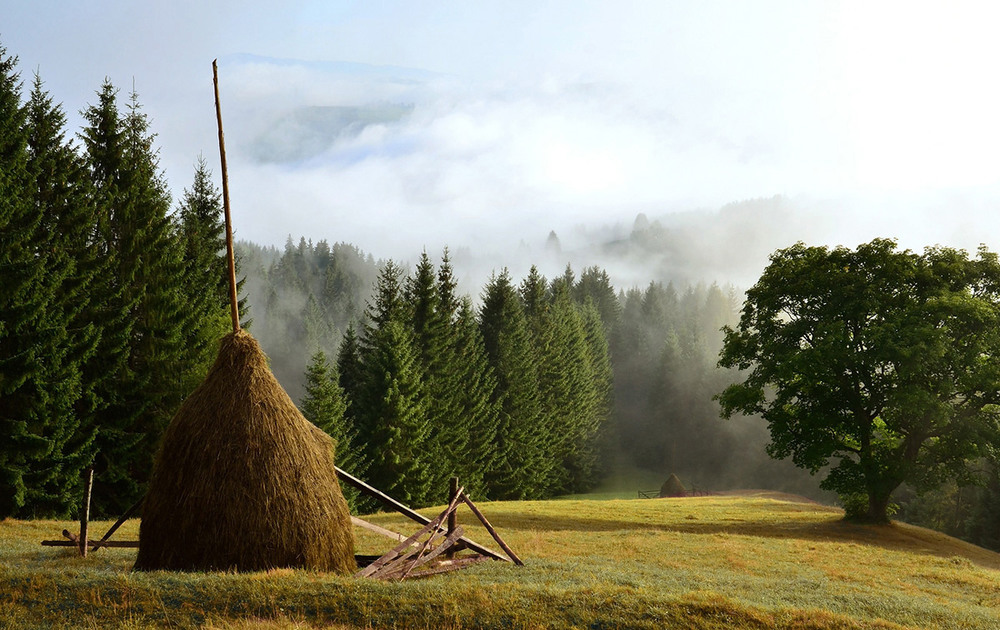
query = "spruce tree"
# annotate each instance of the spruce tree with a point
(566, 390)
(467, 384)
(594, 457)
(392, 406)
(522, 459)
(392, 415)
(325, 405)
(26, 294)
(535, 297)
(349, 367)
(594, 283)
(432, 333)
(108, 413)
(144, 353)
(69, 337)
(206, 271)
(474, 385)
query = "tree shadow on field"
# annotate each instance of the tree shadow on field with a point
(896, 536)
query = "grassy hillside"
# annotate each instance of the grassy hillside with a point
(748, 561)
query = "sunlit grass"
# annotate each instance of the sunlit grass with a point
(707, 562)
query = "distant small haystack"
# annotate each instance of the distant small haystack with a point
(672, 487)
(242, 480)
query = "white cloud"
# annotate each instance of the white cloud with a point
(519, 118)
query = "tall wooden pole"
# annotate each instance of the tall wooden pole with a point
(88, 484)
(233, 299)
(453, 517)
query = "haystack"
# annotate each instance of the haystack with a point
(673, 487)
(242, 480)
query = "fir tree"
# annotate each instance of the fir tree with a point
(325, 405)
(144, 352)
(474, 385)
(566, 389)
(432, 334)
(392, 403)
(206, 271)
(520, 438)
(24, 300)
(392, 415)
(70, 337)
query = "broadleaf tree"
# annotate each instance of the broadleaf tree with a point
(879, 365)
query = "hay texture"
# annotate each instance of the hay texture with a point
(672, 487)
(242, 480)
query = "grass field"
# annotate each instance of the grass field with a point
(748, 561)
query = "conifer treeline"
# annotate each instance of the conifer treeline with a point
(510, 399)
(110, 305)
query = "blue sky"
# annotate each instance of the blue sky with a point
(520, 117)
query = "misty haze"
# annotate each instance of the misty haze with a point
(698, 300)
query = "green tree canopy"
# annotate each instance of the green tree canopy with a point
(325, 405)
(881, 363)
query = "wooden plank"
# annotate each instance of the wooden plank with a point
(393, 564)
(393, 554)
(450, 565)
(121, 520)
(372, 527)
(493, 532)
(445, 546)
(354, 482)
(133, 544)
(390, 555)
(453, 518)
(413, 558)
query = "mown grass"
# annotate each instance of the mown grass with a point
(700, 563)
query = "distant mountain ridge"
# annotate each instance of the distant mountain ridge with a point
(350, 68)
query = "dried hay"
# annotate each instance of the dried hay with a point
(242, 480)
(673, 487)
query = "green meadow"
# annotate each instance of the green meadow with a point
(754, 560)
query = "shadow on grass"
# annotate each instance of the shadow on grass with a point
(894, 537)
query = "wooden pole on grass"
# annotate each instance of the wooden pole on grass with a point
(88, 485)
(233, 299)
(453, 517)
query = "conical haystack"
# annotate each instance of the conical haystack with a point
(242, 480)
(672, 487)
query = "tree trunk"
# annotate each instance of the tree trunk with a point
(878, 505)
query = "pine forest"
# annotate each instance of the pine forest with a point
(113, 299)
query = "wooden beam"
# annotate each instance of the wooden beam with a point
(393, 504)
(449, 565)
(493, 532)
(386, 500)
(121, 520)
(133, 544)
(234, 307)
(395, 555)
(446, 546)
(88, 486)
(453, 517)
(372, 527)
(447, 514)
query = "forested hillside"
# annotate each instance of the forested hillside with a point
(659, 343)
(113, 301)
(111, 305)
